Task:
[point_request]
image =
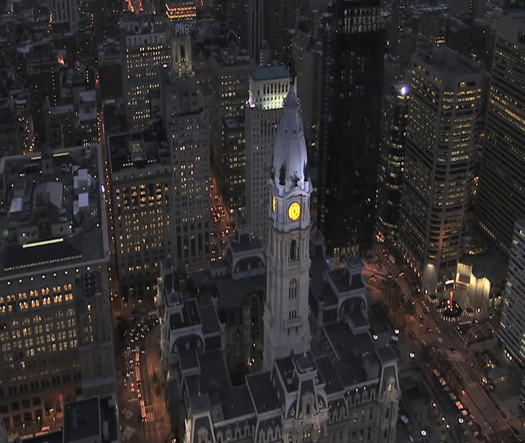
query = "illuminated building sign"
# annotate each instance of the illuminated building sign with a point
(181, 10)
(182, 28)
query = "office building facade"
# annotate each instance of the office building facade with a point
(186, 121)
(145, 50)
(502, 177)
(56, 334)
(512, 324)
(141, 189)
(230, 68)
(444, 110)
(391, 163)
(352, 68)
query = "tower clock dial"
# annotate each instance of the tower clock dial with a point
(294, 211)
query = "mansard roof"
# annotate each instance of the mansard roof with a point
(236, 402)
(214, 372)
(331, 377)
(263, 392)
(351, 361)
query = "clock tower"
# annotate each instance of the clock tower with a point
(286, 327)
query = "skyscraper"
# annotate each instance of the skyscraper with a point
(141, 187)
(230, 67)
(55, 318)
(182, 15)
(267, 90)
(255, 28)
(502, 176)
(391, 163)
(400, 15)
(512, 323)
(145, 50)
(186, 121)
(353, 48)
(65, 12)
(444, 109)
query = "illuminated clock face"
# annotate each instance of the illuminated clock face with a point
(274, 204)
(294, 211)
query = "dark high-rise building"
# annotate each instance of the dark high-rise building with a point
(280, 16)
(234, 12)
(400, 13)
(230, 69)
(502, 177)
(512, 323)
(255, 27)
(353, 49)
(392, 154)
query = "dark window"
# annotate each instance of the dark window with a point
(293, 250)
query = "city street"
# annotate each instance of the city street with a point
(144, 416)
(431, 331)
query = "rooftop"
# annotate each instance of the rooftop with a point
(50, 210)
(270, 72)
(51, 437)
(82, 420)
(262, 391)
(236, 402)
(138, 150)
(93, 419)
(448, 63)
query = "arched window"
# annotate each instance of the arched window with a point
(294, 252)
(292, 291)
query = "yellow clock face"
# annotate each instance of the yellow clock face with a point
(294, 211)
(274, 204)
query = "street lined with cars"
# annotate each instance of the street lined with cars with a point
(475, 411)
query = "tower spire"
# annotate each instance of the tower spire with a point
(290, 160)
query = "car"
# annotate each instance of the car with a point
(429, 329)
(401, 274)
